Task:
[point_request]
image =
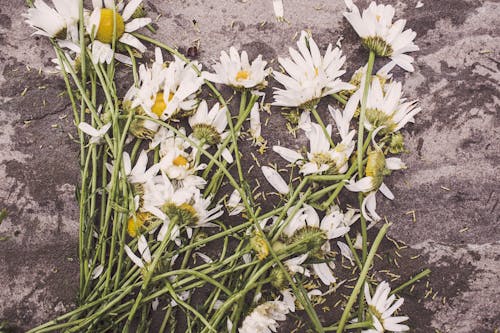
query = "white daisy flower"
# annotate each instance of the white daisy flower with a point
(386, 107)
(380, 35)
(322, 158)
(167, 90)
(209, 127)
(101, 24)
(204, 214)
(178, 162)
(185, 204)
(333, 225)
(59, 23)
(264, 318)
(178, 159)
(377, 166)
(182, 83)
(236, 71)
(159, 191)
(145, 255)
(381, 307)
(275, 179)
(168, 139)
(310, 76)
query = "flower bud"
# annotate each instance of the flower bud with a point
(259, 245)
(278, 279)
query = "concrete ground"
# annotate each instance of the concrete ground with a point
(447, 203)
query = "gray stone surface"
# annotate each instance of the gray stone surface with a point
(451, 185)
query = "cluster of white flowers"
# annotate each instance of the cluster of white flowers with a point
(171, 189)
(175, 145)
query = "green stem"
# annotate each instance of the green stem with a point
(339, 98)
(363, 324)
(362, 113)
(361, 278)
(323, 127)
(408, 283)
(148, 275)
(362, 116)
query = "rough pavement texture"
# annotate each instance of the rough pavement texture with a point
(451, 185)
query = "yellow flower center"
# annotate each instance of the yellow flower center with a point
(188, 208)
(180, 161)
(160, 104)
(105, 30)
(242, 75)
(136, 222)
(315, 71)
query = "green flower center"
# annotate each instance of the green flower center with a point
(61, 34)
(375, 167)
(310, 238)
(397, 144)
(378, 45)
(185, 213)
(207, 133)
(137, 126)
(324, 158)
(378, 118)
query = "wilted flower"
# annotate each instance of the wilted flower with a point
(59, 23)
(380, 35)
(381, 307)
(237, 72)
(322, 157)
(377, 166)
(264, 318)
(310, 76)
(386, 107)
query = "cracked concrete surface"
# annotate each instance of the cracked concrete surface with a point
(451, 185)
